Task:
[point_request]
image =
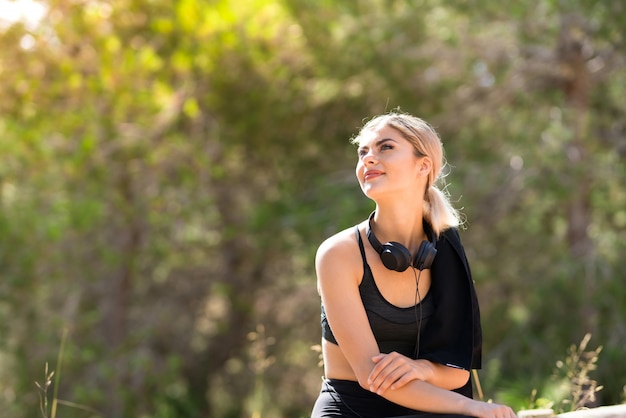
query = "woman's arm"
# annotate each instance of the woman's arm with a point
(339, 269)
(394, 370)
(425, 397)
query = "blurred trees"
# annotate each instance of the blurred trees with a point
(170, 167)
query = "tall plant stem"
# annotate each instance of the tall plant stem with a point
(53, 411)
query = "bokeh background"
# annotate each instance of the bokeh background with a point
(168, 169)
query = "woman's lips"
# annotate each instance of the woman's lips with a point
(370, 174)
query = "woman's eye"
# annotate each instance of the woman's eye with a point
(386, 146)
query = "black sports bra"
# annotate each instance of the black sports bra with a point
(394, 328)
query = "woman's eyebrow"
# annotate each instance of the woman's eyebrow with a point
(383, 140)
(377, 143)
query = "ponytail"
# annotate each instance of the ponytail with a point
(439, 212)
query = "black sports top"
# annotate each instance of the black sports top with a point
(394, 328)
(450, 329)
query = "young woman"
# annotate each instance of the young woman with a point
(400, 319)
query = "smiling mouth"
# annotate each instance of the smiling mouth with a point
(371, 175)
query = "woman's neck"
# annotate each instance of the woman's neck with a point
(402, 223)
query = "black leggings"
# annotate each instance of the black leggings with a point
(346, 398)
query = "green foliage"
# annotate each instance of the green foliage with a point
(169, 168)
(570, 387)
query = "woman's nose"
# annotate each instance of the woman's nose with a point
(369, 157)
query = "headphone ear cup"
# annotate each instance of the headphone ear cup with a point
(425, 256)
(395, 256)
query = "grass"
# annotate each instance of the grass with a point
(576, 370)
(47, 382)
(571, 387)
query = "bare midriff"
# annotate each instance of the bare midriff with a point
(336, 365)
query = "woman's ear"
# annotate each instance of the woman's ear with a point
(426, 166)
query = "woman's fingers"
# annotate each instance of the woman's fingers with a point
(390, 369)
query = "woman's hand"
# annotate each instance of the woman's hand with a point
(394, 370)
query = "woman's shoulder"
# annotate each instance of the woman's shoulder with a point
(340, 244)
(338, 262)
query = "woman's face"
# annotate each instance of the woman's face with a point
(388, 165)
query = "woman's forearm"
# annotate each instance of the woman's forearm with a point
(447, 377)
(426, 397)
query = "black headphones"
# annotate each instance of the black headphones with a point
(396, 256)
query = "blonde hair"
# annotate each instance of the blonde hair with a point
(438, 210)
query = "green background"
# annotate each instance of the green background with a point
(168, 169)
